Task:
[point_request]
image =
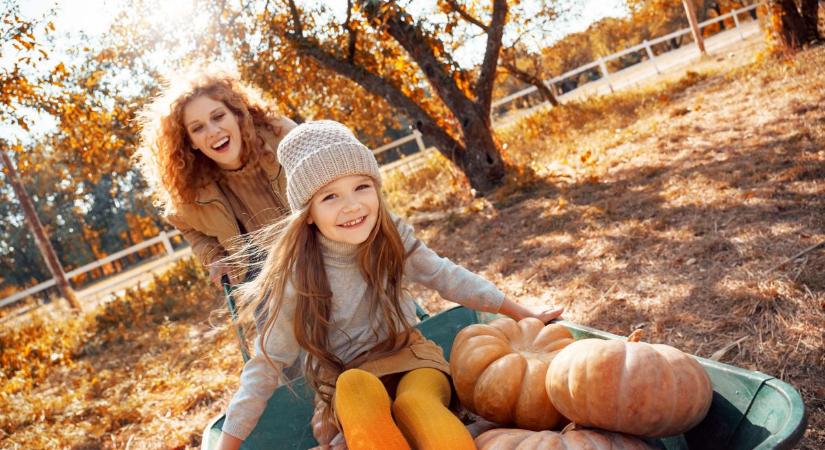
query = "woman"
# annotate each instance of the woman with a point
(208, 150)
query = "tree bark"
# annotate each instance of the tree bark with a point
(794, 30)
(480, 157)
(809, 11)
(690, 10)
(43, 243)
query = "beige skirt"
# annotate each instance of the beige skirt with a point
(419, 353)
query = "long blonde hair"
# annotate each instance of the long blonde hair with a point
(295, 260)
(165, 156)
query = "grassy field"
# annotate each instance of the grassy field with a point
(674, 209)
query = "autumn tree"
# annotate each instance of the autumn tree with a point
(795, 22)
(19, 91)
(401, 59)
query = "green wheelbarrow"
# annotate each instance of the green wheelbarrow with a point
(750, 410)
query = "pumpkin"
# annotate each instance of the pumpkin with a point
(499, 370)
(509, 438)
(630, 387)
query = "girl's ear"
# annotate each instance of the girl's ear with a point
(310, 220)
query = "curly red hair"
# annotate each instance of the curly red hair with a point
(174, 170)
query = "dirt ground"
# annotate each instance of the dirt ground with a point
(681, 223)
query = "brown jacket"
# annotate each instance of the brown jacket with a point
(209, 223)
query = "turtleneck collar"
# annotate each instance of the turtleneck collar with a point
(339, 253)
(240, 172)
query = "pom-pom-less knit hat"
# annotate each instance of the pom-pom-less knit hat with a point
(316, 153)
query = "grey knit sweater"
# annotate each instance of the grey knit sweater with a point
(353, 332)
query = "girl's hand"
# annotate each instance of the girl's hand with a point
(518, 312)
(228, 442)
(216, 271)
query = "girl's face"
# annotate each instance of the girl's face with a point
(214, 130)
(345, 210)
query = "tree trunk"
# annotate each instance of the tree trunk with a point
(483, 166)
(43, 243)
(794, 31)
(694, 25)
(809, 10)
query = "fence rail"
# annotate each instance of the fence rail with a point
(164, 237)
(416, 136)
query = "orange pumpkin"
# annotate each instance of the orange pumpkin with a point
(629, 387)
(499, 369)
(509, 438)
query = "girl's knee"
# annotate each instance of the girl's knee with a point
(425, 382)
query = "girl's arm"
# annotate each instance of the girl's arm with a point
(518, 312)
(228, 442)
(457, 284)
(260, 378)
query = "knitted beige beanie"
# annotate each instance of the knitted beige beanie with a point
(316, 153)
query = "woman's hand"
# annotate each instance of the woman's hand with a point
(216, 271)
(518, 312)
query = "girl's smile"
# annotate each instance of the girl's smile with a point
(346, 209)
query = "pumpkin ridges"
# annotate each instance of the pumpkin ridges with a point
(466, 367)
(560, 378)
(508, 327)
(501, 435)
(534, 410)
(494, 395)
(553, 337)
(476, 330)
(516, 439)
(695, 381)
(608, 363)
(530, 328)
(661, 391)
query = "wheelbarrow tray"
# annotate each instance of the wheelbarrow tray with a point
(750, 410)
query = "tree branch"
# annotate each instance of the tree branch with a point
(467, 16)
(380, 88)
(296, 17)
(353, 34)
(484, 86)
(419, 46)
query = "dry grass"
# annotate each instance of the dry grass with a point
(666, 211)
(662, 209)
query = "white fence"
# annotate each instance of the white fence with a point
(417, 137)
(163, 237)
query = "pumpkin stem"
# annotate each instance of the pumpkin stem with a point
(636, 336)
(572, 426)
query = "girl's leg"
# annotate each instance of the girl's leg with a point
(420, 409)
(363, 409)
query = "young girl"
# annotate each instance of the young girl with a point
(208, 150)
(331, 286)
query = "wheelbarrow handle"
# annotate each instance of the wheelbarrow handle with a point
(233, 313)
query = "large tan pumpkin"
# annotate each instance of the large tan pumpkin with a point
(630, 387)
(499, 370)
(513, 439)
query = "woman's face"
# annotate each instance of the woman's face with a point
(214, 130)
(346, 210)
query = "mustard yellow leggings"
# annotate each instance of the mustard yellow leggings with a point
(422, 419)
